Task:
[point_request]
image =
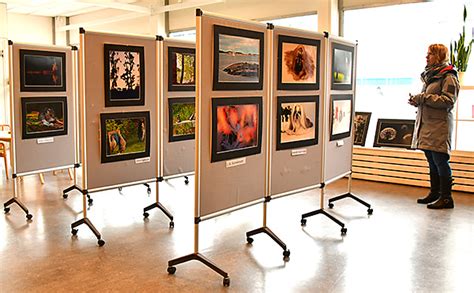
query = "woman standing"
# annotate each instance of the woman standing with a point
(434, 124)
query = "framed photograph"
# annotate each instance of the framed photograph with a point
(341, 116)
(342, 67)
(236, 127)
(298, 63)
(42, 71)
(238, 59)
(43, 117)
(181, 69)
(396, 133)
(124, 136)
(361, 125)
(297, 122)
(181, 119)
(124, 68)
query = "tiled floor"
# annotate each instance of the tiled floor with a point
(402, 247)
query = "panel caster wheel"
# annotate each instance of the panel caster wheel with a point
(303, 222)
(249, 240)
(171, 270)
(101, 242)
(370, 211)
(90, 201)
(74, 232)
(343, 231)
(286, 253)
(145, 215)
(65, 195)
(171, 225)
(148, 190)
(6, 210)
(29, 216)
(120, 189)
(186, 181)
(226, 282)
(331, 205)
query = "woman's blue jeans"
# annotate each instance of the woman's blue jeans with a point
(439, 163)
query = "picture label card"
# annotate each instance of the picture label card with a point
(299, 152)
(142, 160)
(45, 140)
(236, 162)
(339, 143)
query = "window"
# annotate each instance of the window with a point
(306, 22)
(189, 35)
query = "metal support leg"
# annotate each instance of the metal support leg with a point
(323, 212)
(266, 230)
(89, 224)
(162, 208)
(350, 195)
(6, 207)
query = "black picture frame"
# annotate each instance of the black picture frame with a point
(292, 119)
(300, 42)
(336, 66)
(397, 133)
(361, 126)
(172, 70)
(113, 140)
(114, 95)
(217, 155)
(42, 71)
(180, 101)
(43, 117)
(231, 32)
(337, 114)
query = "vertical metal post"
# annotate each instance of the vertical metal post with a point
(12, 120)
(82, 112)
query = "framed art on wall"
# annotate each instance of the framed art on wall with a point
(43, 117)
(342, 67)
(182, 119)
(238, 59)
(394, 133)
(42, 71)
(297, 121)
(124, 136)
(341, 116)
(181, 69)
(298, 63)
(124, 69)
(236, 127)
(361, 125)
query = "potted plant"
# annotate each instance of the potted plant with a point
(461, 50)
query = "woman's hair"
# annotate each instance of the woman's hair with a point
(440, 52)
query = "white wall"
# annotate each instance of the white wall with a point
(30, 29)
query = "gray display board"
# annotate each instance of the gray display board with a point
(102, 175)
(43, 108)
(297, 109)
(219, 186)
(338, 152)
(178, 90)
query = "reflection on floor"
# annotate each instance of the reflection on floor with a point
(402, 247)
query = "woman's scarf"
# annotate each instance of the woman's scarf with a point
(433, 72)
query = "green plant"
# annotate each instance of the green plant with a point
(461, 50)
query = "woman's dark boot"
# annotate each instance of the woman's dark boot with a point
(445, 201)
(434, 190)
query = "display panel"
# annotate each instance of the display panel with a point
(298, 63)
(238, 59)
(43, 117)
(181, 69)
(124, 136)
(182, 119)
(342, 67)
(124, 68)
(43, 71)
(236, 127)
(341, 116)
(361, 125)
(297, 122)
(394, 133)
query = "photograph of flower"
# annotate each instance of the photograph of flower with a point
(394, 133)
(181, 69)
(341, 116)
(297, 121)
(236, 127)
(43, 71)
(124, 75)
(238, 59)
(342, 67)
(43, 117)
(361, 125)
(182, 118)
(124, 136)
(298, 63)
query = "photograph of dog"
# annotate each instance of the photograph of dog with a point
(299, 63)
(297, 121)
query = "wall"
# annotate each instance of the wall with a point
(30, 29)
